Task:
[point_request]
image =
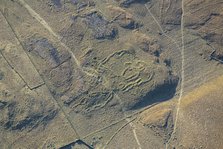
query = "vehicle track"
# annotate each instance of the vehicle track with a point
(45, 24)
(182, 75)
(182, 48)
(55, 100)
(182, 68)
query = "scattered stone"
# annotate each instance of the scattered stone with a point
(127, 3)
(161, 122)
(81, 4)
(1, 75)
(2, 104)
(100, 27)
(171, 14)
(42, 48)
(73, 35)
(57, 64)
(148, 44)
(167, 62)
(26, 112)
(123, 18)
(61, 78)
(57, 3)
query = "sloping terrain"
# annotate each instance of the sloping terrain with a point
(199, 122)
(111, 74)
